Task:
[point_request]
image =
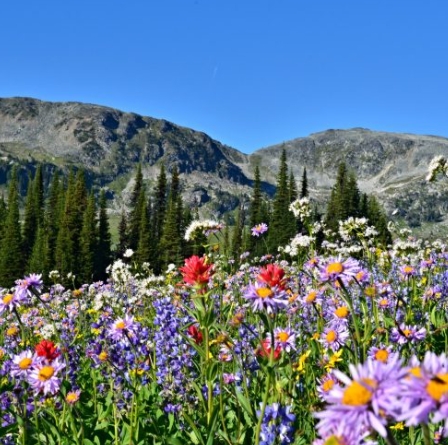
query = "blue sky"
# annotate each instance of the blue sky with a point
(250, 73)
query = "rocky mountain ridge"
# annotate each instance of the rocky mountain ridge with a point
(108, 144)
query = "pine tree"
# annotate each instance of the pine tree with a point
(237, 233)
(256, 245)
(39, 259)
(104, 249)
(30, 223)
(158, 216)
(143, 253)
(123, 235)
(377, 218)
(11, 260)
(135, 216)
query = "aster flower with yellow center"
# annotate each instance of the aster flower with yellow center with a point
(11, 301)
(382, 353)
(425, 391)
(338, 269)
(265, 298)
(285, 338)
(72, 397)
(44, 378)
(403, 334)
(334, 336)
(23, 363)
(122, 328)
(368, 398)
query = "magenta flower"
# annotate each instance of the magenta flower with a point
(259, 229)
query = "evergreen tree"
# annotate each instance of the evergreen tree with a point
(256, 245)
(11, 260)
(277, 235)
(123, 235)
(304, 184)
(104, 250)
(53, 215)
(171, 241)
(377, 218)
(237, 234)
(135, 217)
(88, 241)
(30, 223)
(39, 260)
(143, 253)
(158, 216)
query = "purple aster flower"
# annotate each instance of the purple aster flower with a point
(367, 399)
(11, 301)
(259, 229)
(382, 353)
(425, 391)
(284, 338)
(336, 268)
(23, 363)
(266, 298)
(122, 327)
(403, 334)
(334, 336)
(44, 377)
(31, 281)
(326, 384)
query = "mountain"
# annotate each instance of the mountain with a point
(109, 143)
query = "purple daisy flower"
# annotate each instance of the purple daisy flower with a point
(31, 281)
(382, 353)
(11, 301)
(266, 298)
(326, 384)
(367, 399)
(23, 363)
(336, 268)
(122, 327)
(285, 339)
(403, 334)
(259, 229)
(44, 377)
(334, 336)
(425, 391)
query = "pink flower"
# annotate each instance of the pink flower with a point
(196, 272)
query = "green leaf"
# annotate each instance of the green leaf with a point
(245, 404)
(195, 434)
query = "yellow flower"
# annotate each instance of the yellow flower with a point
(96, 331)
(335, 358)
(300, 365)
(398, 426)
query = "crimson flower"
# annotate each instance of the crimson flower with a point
(196, 334)
(196, 271)
(48, 350)
(264, 350)
(273, 276)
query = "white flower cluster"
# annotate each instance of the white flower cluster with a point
(438, 164)
(301, 208)
(356, 228)
(298, 242)
(120, 274)
(410, 246)
(205, 227)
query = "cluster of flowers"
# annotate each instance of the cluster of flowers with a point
(301, 208)
(205, 227)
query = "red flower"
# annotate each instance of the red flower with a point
(48, 350)
(196, 272)
(264, 350)
(272, 275)
(196, 334)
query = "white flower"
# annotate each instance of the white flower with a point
(205, 227)
(301, 208)
(128, 253)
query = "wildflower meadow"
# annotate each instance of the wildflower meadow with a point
(341, 345)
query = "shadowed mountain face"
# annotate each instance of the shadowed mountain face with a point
(109, 143)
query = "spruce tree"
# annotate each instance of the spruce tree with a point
(158, 215)
(11, 260)
(30, 223)
(103, 256)
(143, 253)
(53, 214)
(304, 184)
(135, 217)
(40, 256)
(88, 240)
(123, 235)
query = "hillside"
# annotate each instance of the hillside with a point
(109, 143)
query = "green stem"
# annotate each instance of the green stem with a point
(426, 434)
(390, 440)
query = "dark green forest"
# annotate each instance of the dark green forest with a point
(65, 226)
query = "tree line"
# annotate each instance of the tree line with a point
(65, 227)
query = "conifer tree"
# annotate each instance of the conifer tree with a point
(30, 223)
(158, 215)
(104, 249)
(53, 214)
(11, 260)
(123, 235)
(40, 255)
(277, 235)
(135, 217)
(143, 253)
(377, 218)
(237, 233)
(256, 245)
(171, 241)
(304, 184)
(88, 241)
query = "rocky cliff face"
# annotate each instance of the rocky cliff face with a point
(109, 143)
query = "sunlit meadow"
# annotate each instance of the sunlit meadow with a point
(342, 347)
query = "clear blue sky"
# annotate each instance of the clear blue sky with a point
(250, 73)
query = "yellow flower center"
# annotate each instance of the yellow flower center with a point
(120, 324)
(384, 302)
(103, 356)
(408, 269)
(358, 393)
(311, 297)
(416, 372)
(12, 331)
(335, 440)
(341, 312)
(370, 291)
(407, 332)
(438, 386)
(264, 292)
(45, 373)
(382, 355)
(7, 298)
(335, 268)
(327, 385)
(360, 275)
(283, 336)
(331, 336)
(25, 363)
(72, 397)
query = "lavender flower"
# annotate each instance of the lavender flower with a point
(266, 298)
(259, 229)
